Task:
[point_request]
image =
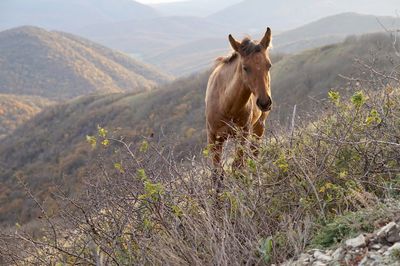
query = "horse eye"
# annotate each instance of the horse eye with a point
(246, 69)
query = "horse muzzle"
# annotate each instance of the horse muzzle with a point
(264, 105)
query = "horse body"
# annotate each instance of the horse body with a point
(238, 95)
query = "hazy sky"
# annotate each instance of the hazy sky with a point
(156, 1)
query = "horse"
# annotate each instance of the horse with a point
(238, 96)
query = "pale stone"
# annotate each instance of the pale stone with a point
(319, 263)
(357, 242)
(321, 256)
(376, 246)
(394, 247)
(394, 235)
(386, 229)
(338, 254)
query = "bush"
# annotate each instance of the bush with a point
(142, 206)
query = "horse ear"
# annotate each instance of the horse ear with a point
(235, 44)
(266, 40)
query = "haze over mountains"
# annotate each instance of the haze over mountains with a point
(200, 8)
(284, 15)
(69, 15)
(160, 33)
(200, 54)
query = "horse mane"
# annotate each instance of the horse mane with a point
(247, 48)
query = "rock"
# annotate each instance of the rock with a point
(371, 259)
(304, 259)
(319, 263)
(364, 261)
(383, 249)
(393, 235)
(376, 246)
(384, 231)
(321, 256)
(395, 247)
(357, 242)
(338, 254)
(379, 248)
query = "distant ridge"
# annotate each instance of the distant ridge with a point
(332, 29)
(289, 14)
(200, 54)
(57, 65)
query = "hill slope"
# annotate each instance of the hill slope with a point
(300, 78)
(57, 65)
(330, 30)
(52, 147)
(17, 109)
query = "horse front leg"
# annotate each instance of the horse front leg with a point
(238, 162)
(258, 133)
(215, 145)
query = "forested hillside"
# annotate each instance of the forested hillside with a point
(61, 66)
(17, 109)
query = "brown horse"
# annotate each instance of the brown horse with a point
(238, 96)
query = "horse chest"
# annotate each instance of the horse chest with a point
(243, 118)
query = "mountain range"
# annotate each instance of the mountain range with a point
(200, 54)
(288, 14)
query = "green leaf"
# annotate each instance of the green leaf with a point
(144, 146)
(206, 152)
(373, 118)
(102, 132)
(358, 99)
(119, 167)
(265, 248)
(92, 141)
(142, 174)
(282, 163)
(251, 164)
(334, 96)
(105, 142)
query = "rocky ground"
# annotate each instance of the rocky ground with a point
(381, 247)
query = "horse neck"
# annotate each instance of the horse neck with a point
(237, 94)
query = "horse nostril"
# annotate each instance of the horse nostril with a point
(264, 105)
